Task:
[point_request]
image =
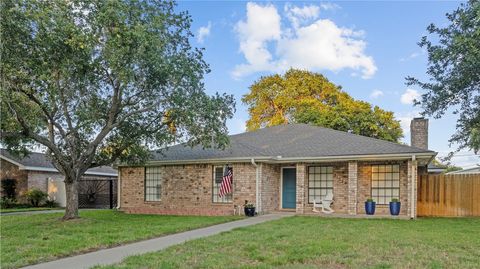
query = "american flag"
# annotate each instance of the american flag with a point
(227, 182)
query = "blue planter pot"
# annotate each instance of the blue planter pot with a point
(370, 208)
(395, 208)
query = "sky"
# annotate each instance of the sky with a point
(367, 47)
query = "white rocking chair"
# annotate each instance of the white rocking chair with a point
(325, 204)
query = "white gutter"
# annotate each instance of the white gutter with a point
(273, 159)
(413, 202)
(257, 186)
(46, 169)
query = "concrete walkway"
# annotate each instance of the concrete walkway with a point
(117, 254)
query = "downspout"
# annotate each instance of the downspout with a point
(119, 188)
(414, 176)
(257, 186)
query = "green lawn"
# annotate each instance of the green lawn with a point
(312, 242)
(24, 209)
(36, 238)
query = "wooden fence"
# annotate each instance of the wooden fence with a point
(448, 195)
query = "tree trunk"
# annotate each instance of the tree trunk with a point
(71, 191)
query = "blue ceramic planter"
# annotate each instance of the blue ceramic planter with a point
(395, 208)
(370, 208)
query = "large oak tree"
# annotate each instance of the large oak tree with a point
(99, 81)
(307, 97)
(454, 73)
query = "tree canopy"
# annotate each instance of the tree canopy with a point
(100, 81)
(306, 97)
(454, 73)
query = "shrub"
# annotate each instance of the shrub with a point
(36, 196)
(51, 203)
(370, 200)
(9, 185)
(395, 200)
(6, 202)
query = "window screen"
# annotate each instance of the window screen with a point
(320, 182)
(153, 184)
(217, 182)
(385, 183)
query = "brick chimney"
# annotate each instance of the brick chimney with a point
(419, 133)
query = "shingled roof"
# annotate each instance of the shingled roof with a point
(291, 141)
(38, 161)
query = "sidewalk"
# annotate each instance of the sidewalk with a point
(117, 254)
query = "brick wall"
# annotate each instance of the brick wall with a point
(186, 190)
(11, 171)
(270, 190)
(39, 179)
(352, 187)
(365, 183)
(302, 187)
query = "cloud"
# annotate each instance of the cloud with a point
(262, 25)
(412, 56)
(329, 6)
(409, 96)
(376, 93)
(297, 15)
(203, 32)
(309, 43)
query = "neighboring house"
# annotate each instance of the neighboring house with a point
(280, 168)
(433, 169)
(36, 171)
(469, 171)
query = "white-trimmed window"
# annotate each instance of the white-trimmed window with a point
(320, 182)
(217, 182)
(153, 184)
(385, 183)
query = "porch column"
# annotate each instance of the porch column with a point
(412, 189)
(300, 207)
(352, 188)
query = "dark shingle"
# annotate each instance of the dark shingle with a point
(289, 141)
(36, 159)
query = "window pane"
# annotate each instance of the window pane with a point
(217, 182)
(153, 185)
(385, 183)
(396, 168)
(320, 182)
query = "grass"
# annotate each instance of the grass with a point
(24, 209)
(312, 242)
(42, 237)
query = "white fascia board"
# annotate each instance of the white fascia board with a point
(272, 159)
(47, 169)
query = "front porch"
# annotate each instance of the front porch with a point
(293, 187)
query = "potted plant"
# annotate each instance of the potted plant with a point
(395, 207)
(370, 206)
(249, 209)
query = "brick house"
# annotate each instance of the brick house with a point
(280, 168)
(36, 171)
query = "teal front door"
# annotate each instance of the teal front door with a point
(289, 187)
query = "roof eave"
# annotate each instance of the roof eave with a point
(272, 159)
